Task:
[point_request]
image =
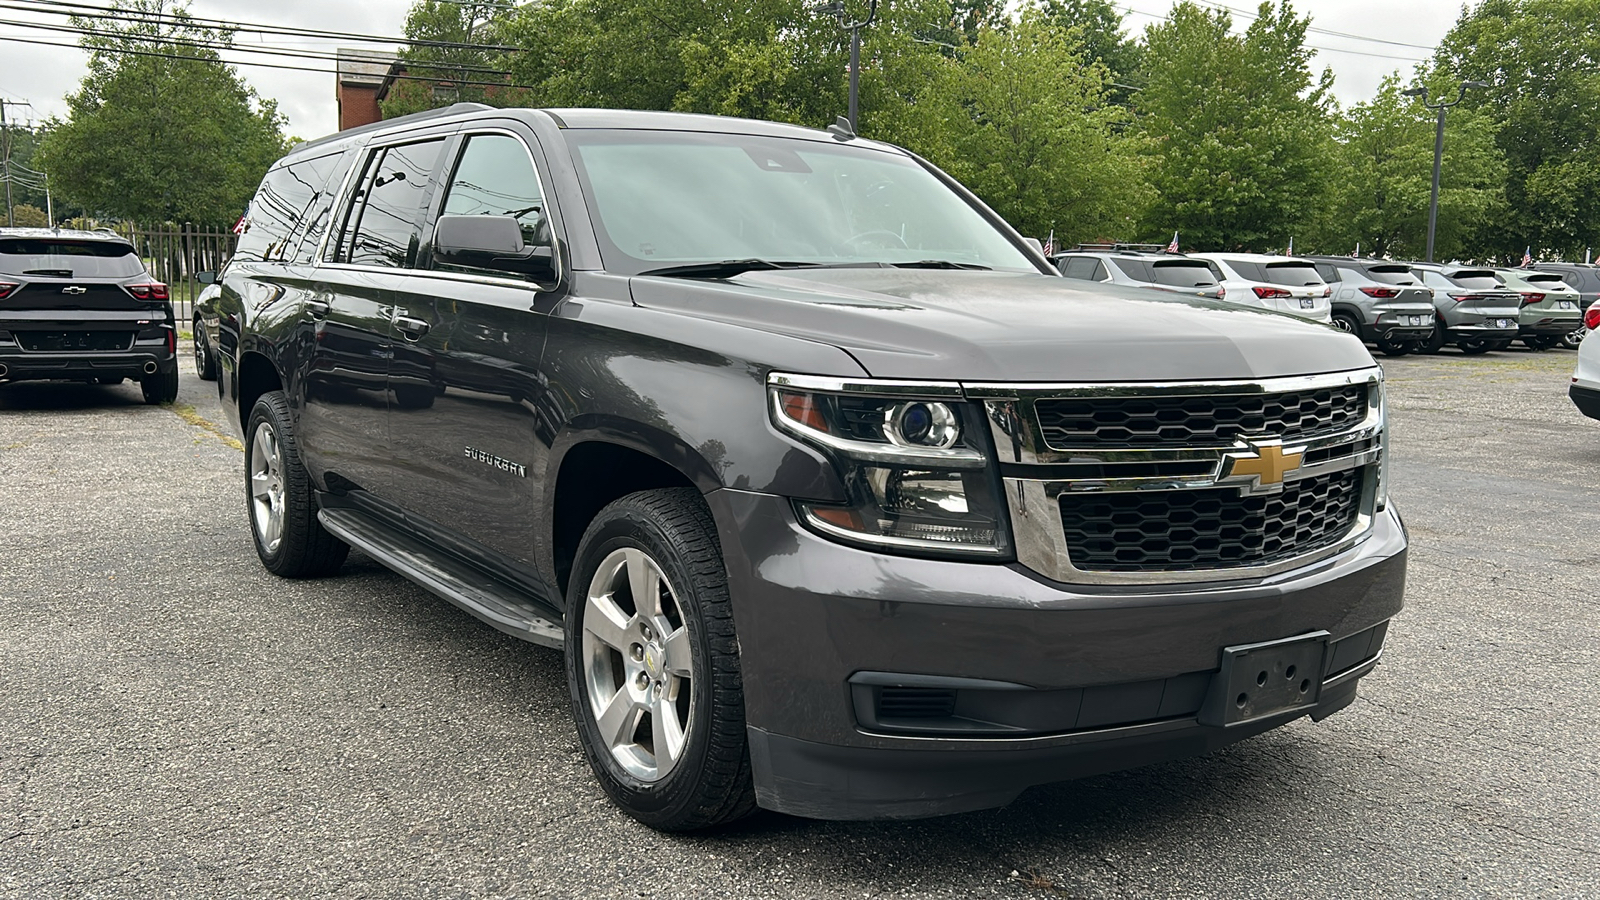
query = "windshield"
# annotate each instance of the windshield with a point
(50, 258)
(669, 198)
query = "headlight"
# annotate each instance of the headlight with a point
(915, 468)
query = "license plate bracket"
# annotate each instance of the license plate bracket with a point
(1266, 679)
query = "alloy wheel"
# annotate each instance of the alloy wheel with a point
(266, 488)
(637, 665)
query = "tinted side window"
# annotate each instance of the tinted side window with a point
(278, 206)
(1137, 269)
(1328, 273)
(323, 173)
(495, 177)
(1100, 273)
(387, 211)
(1078, 267)
(1249, 271)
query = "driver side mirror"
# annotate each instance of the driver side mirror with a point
(491, 242)
(1036, 244)
(206, 277)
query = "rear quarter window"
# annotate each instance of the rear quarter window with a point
(1137, 269)
(68, 259)
(1182, 273)
(1292, 274)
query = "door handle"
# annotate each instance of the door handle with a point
(413, 329)
(318, 309)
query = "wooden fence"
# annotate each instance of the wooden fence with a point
(175, 254)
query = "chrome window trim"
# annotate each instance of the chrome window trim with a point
(466, 133)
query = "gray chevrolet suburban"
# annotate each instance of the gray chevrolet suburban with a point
(837, 499)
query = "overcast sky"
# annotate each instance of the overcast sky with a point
(1362, 40)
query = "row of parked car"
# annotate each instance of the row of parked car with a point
(1401, 307)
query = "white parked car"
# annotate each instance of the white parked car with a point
(1585, 390)
(1283, 284)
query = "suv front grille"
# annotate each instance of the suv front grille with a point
(1073, 423)
(74, 341)
(1177, 531)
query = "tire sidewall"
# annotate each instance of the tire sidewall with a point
(263, 413)
(611, 531)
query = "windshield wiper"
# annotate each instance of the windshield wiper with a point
(727, 268)
(938, 264)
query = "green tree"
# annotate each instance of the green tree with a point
(1385, 158)
(154, 138)
(1024, 122)
(1240, 131)
(1542, 60)
(1103, 41)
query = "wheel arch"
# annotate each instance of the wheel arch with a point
(257, 375)
(595, 465)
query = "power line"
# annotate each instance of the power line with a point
(1309, 46)
(217, 45)
(53, 7)
(246, 62)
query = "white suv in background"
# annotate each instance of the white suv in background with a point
(1585, 390)
(1283, 284)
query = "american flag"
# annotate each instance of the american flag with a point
(1173, 247)
(239, 226)
(1527, 257)
(1050, 243)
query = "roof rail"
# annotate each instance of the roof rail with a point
(1123, 248)
(425, 115)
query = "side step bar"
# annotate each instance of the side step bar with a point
(468, 587)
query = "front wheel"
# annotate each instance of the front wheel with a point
(160, 387)
(205, 365)
(1573, 338)
(653, 663)
(283, 513)
(1346, 323)
(1434, 342)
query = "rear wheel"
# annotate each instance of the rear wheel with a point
(653, 663)
(283, 513)
(1434, 342)
(160, 387)
(205, 365)
(1573, 338)
(1396, 348)
(1346, 323)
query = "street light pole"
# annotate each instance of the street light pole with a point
(837, 8)
(1438, 148)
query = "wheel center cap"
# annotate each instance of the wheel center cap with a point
(652, 660)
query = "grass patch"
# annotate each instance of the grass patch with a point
(187, 413)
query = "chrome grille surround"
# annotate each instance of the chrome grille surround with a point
(1034, 497)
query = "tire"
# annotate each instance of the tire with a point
(1573, 338)
(665, 539)
(283, 512)
(162, 387)
(1434, 342)
(1396, 348)
(205, 365)
(1346, 323)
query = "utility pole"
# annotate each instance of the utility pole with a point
(5, 153)
(1438, 148)
(837, 8)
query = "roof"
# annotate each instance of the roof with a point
(71, 234)
(366, 68)
(1252, 257)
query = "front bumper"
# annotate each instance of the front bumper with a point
(1108, 678)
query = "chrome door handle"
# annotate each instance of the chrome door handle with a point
(413, 329)
(318, 309)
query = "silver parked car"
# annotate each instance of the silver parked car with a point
(1473, 310)
(1550, 308)
(1379, 301)
(1283, 284)
(1140, 265)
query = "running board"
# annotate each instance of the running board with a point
(484, 596)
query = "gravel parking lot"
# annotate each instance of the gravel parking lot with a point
(177, 722)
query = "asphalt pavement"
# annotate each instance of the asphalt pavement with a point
(176, 722)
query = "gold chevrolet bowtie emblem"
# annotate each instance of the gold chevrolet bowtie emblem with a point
(1267, 462)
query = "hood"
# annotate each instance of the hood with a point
(936, 324)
